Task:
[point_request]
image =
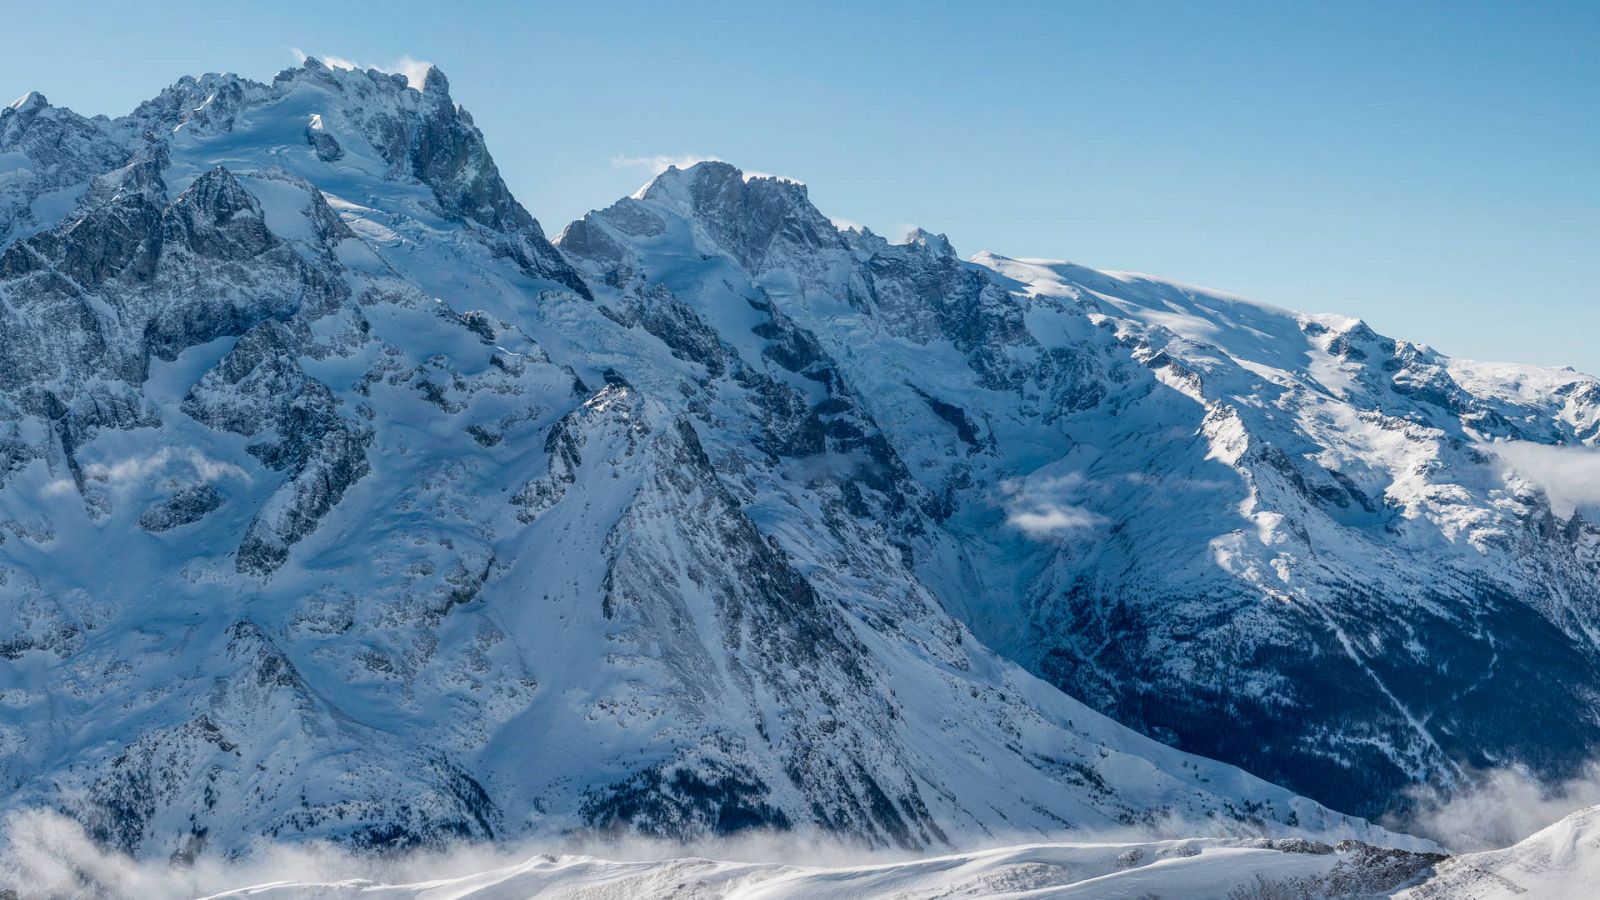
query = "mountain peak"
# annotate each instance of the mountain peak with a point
(434, 82)
(711, 174)
(937, 244)
(29, 102)
(430, 80)
(747, 214)
(675, 182)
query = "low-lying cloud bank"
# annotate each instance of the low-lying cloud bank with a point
(1568, 475)
(1495, 808)
(46, 854)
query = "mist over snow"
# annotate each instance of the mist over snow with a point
(52, 857)
(1496, 808)
(1568, 474)
(1044, 507)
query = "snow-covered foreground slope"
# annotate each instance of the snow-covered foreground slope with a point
(1561, 862)
(1197, 869)
(1190, 869)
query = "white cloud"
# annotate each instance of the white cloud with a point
(1495, 808)
(132, 469)
(1050, 520)
(54, 857)
(339, 62)
(784, 178)
(1045, 507)
(415, 70)
(844, 224)
(1568, 475)
(659, 164)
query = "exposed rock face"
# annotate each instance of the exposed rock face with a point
(326, 145)
(132, 276)
(323, 459)
(185, 507)
(754, 218)
(47, 150)
(423, 536)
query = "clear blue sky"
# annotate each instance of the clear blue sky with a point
(1431, 167)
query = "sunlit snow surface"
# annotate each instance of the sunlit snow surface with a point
(1192, 869)
(1561, 862)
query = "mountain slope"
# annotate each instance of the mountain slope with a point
(1559, 862)
(336, 504)
(1276, 539)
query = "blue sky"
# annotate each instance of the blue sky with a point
(1433, 168)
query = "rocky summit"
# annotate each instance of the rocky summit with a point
(338, 502)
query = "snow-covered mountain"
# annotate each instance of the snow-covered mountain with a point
(337, 502)
(1276, 539)
(337, 505)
